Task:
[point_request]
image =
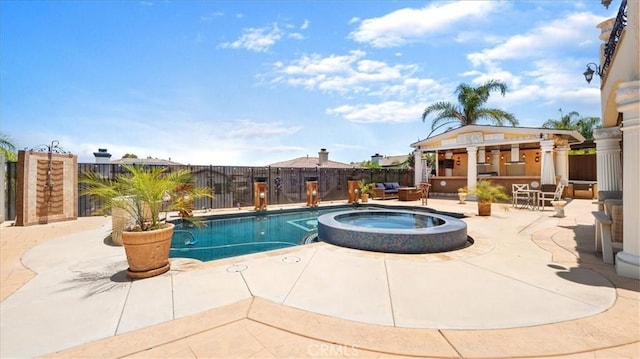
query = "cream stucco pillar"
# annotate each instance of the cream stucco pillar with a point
(547, 167)
(608, 162)
(448, 171)
(481, 155)
(628, 100)
(472, 168)
(515, 152)
(562, 160)
(418, 167)
(495, 161)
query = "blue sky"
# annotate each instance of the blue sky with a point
(256, 82)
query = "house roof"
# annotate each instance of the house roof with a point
(311, 162)
(494, 136)
(146, 161)
(388, 161)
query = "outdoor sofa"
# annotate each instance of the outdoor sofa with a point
(386, 190)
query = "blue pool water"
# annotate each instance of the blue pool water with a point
(390, 220)
(246, 234)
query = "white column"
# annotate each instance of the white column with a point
(417, 167)
(481, 155)
(608, 162)
(515, 152)
(448, 171)
(628, 100)
(472, 168)
(562, 160)
(547, 170)
(495, 161)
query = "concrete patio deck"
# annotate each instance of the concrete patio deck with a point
(530, 286)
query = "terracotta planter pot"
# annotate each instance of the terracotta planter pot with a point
(484, 208)
(364, 198)
(148, 252)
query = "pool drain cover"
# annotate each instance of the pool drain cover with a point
(237, 268)
(292, 259)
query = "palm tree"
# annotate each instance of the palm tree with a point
(470, 108)
(566, 122)
(573, 121)
(7, 147)
(586, 125)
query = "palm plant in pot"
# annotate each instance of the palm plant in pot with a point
(486, 193)
(365, 190)
(143, 194)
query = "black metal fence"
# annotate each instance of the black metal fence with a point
(232, 186)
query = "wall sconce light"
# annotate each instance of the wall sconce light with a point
(537, 157)
(458, 163)
(488, 158)
(262, 195)
(314, 193)
(502, 157)
(588, 73)
(524, 156)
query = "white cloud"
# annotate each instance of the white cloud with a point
(296, 36)
(575, 30)
(304, 25)
(407, 25)
(390, 111)
(256, 39)
(252, 129)
(212, 16)
(343, 74)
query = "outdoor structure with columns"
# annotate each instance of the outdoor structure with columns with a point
(506, 155)
(618, 141)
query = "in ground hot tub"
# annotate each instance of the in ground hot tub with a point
(393, 231)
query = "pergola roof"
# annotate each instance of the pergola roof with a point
(495, 137)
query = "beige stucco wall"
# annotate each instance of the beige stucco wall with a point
(625, 65)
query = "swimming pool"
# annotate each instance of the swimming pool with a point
(235, 235)
(231, 235)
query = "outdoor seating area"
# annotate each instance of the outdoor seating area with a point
(523, 197)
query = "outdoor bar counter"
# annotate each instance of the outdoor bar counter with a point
(444, 184)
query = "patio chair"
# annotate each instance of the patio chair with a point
(519, 197)
(545, 197)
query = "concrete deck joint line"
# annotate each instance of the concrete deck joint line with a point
(306, 265)
(124, 304)
(444, 336)
(541, 287)
(386, 273)
(540, 218)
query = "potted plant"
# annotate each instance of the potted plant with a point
(142, 195)
(364, 188)
(462, 194)
(486, 193)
